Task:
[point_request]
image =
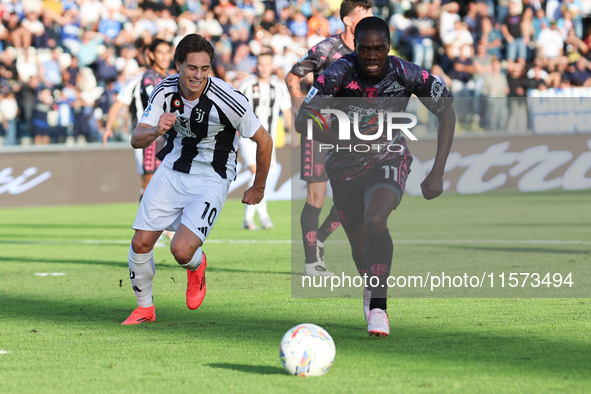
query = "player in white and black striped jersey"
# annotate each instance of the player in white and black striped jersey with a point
(269, 97)
(200, 115)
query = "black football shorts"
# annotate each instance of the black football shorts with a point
(349, 196)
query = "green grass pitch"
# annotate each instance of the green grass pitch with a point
(62, 333)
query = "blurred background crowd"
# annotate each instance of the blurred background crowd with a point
(62, 62)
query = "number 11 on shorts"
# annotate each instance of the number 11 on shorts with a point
(393, 169)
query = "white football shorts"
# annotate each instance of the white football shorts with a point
(173, 197)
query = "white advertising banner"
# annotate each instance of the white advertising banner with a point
(475, 165)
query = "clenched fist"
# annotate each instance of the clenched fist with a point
(166, 122)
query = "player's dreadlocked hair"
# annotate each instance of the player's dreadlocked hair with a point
(347, 6)
(372, 23)
(192, 43)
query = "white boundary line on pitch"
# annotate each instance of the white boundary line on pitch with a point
(49, 274)
(294, 241)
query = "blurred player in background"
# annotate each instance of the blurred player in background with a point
(367, 187)
(317, 60)
(201, 116)
(268, 97)
(134, 95)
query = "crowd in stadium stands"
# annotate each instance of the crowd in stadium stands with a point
(63, 61)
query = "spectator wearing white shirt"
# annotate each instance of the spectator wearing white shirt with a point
(33, 24)
(90, 13)
(126, 63)
(448, 19)
(459, 42)
(210, 25)
(8, 114)
(145, 24)
(26, 64)
(167, 26)
(550, 46)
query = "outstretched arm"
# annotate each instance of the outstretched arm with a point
(432, 186)
(255, 193)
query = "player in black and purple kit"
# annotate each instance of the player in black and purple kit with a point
(317, 60)
(368, 177)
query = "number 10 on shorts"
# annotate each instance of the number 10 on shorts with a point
(391, 170)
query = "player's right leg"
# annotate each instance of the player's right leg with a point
(203, 197)
(141, 272)
(360, 225)
(158, 210)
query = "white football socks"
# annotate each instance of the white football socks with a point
(195, 261)
(249, 211)
(260, 208)
(141, 272)
(262, 211)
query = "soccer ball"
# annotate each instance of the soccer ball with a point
(307, 350)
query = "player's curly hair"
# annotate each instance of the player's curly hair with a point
(192, 43)
(372, 23)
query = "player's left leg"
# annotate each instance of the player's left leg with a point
(186, 249)
(380, 201)
(203, 205)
